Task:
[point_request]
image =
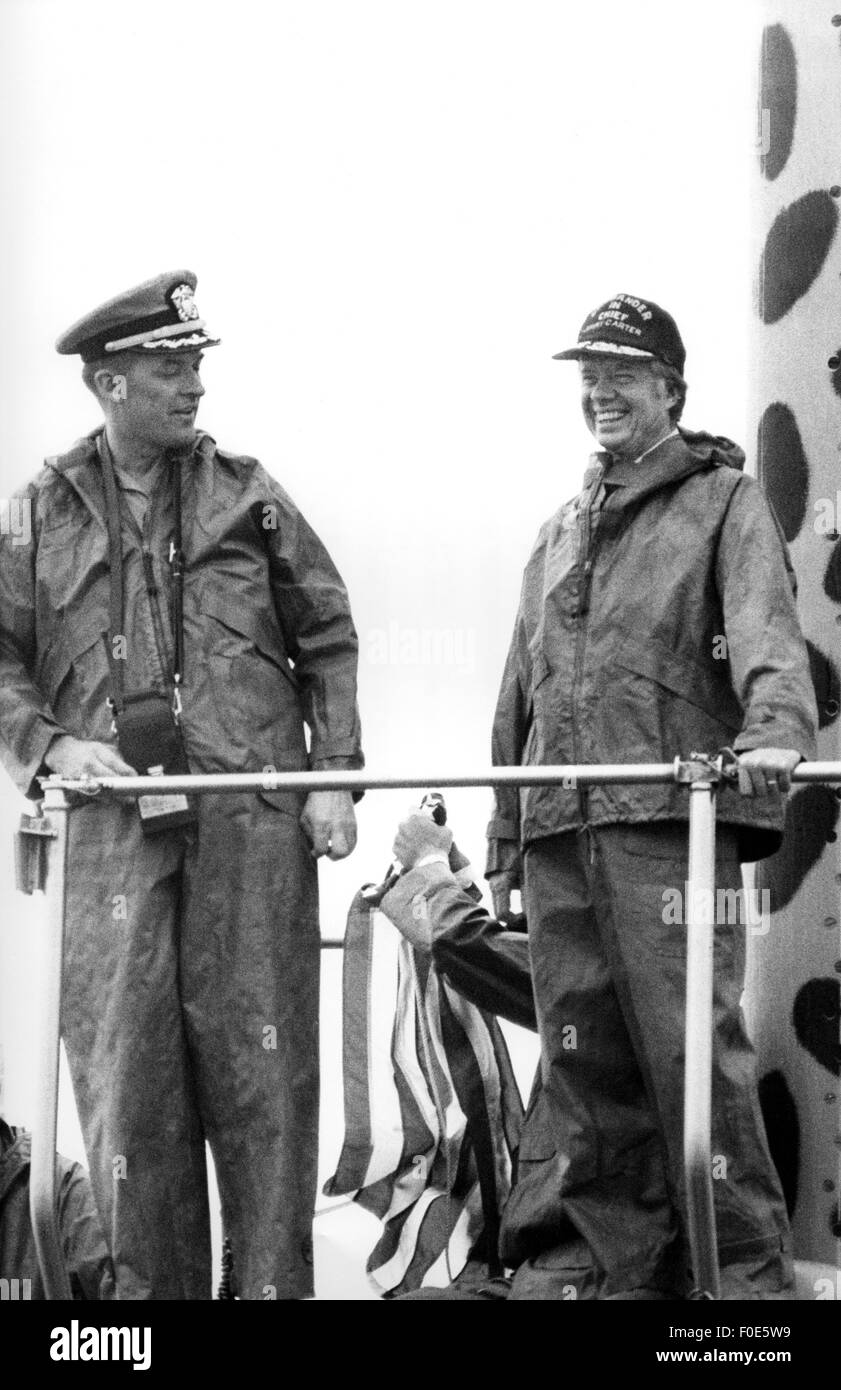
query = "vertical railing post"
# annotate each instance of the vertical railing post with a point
(697, 1115)
(42, 1182)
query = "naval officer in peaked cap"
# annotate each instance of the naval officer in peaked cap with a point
(175, 611)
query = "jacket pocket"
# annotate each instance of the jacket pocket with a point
(290, 803)
(68, 646)
(63, 528)
(540, 671)
(255, 626)
(247, 705)
(683, 676)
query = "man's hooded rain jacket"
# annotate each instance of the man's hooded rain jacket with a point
(657, 618)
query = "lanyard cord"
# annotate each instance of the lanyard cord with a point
(115, 575)
(176, 565)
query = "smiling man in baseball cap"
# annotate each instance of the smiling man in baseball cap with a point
(175, 612)
(656, 619)
(637, 344)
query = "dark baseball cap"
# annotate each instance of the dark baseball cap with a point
(626, 326)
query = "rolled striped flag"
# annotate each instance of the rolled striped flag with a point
(432, 1109)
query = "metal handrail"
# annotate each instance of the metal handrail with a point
(341, 780)
(702, 774)
(548, 775)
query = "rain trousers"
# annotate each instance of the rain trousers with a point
(191, 981)
(656, 618)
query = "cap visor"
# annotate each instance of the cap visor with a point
(602, 349)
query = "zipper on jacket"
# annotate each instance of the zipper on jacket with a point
(154, 600)
(587, 543)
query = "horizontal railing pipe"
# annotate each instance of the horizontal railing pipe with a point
(337, 780)
(817, 772)
(575, 775)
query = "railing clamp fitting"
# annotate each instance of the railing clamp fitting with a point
(703, 767)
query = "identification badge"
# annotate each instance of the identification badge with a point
(165, 810)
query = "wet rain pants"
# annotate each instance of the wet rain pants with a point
(190, 1013)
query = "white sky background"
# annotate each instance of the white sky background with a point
(397, 213)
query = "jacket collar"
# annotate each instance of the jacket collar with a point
(80, 468)
(675, 458)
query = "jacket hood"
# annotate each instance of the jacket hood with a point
(716, 448)
(674, 459)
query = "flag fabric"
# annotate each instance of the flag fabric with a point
(432, 1110)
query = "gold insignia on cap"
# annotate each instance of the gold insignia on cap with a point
(185, 305)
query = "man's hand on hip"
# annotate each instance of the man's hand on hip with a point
(761, 769)
(329, 821)
(77, 757)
